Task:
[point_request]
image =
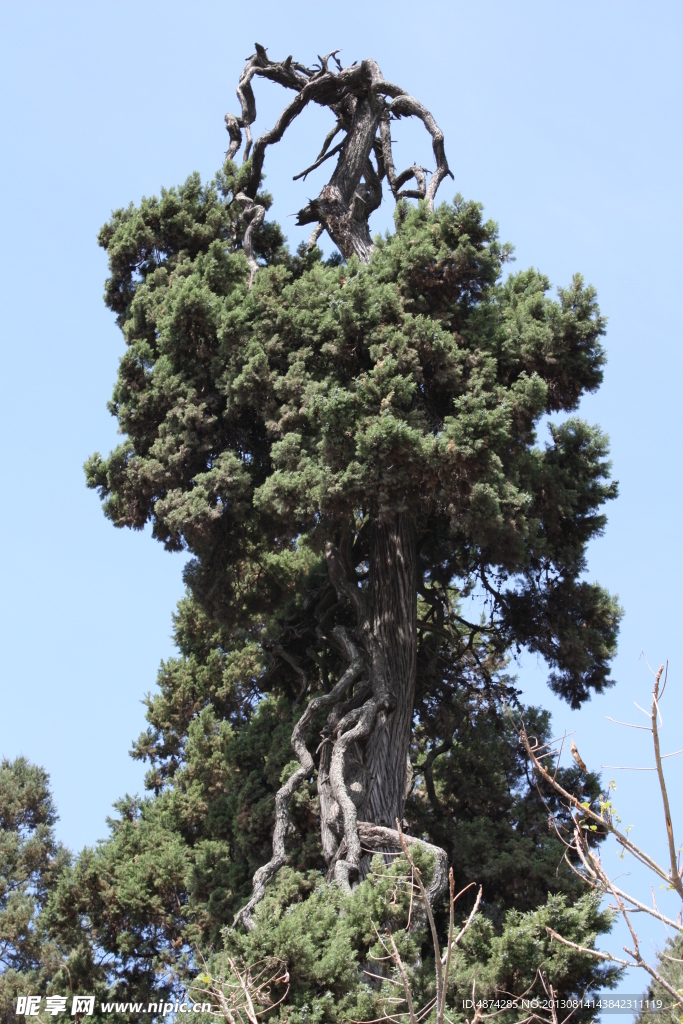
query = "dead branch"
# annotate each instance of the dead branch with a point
(284, 794)
(676, 880)
(440, 961)
(574, 802)
(236, 992)
(253, 214)
(404, 979)
(363, 104)
(592, 871)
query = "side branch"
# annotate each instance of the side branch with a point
(253, 214)
(406, 106)
(676, 879)
(285, 793)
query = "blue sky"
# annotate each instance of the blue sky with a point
(564, 119)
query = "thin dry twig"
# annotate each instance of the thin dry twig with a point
(592, 871)
(441, 963)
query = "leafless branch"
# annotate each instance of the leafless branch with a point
(235, 993)
(284, 794)
(442, 963)
(592, 871)
(363, 104)
(675, 873)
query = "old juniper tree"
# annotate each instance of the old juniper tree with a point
(348, 450)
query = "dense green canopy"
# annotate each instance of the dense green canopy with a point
(259, 424)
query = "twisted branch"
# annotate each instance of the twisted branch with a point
(285, 793)
(362, 721)
(349, 724)
(363, 103)
(253, 214)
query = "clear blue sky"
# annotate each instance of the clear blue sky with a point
(564, 119)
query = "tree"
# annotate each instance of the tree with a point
(215, 768)
(348, 449)
(334, 945)
(31, 863)
(121, 920)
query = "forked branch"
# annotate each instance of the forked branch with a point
(363, 104)
(305, 770)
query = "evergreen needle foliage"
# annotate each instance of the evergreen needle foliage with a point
(259, 424)
(30, 865)
(670, 967)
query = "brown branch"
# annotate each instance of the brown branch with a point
(285, 793)
(595, 875)
(588, 813)
(343, 585)
(318, 162)
(363, 103)
(597, 953)
(635, 953)
(253, 214)
(404, 979)
(451, 916)
(314, 236)
(426, 769)
(440, 993)
(675, 874)
(233, 128)
(470, 919)
(379, 837)
(361, 721)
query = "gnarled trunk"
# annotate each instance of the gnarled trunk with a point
(363, 103)
(362, 771)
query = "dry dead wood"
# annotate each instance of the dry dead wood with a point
(364, 105)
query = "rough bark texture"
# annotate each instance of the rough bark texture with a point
(364, 754)
(393, 583)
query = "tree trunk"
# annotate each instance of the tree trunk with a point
(393, 594)
(345, 204)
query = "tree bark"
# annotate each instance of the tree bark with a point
(393, 594)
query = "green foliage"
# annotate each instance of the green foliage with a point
(508, 962)
(477, 803)
(326, 938)
(124, 894)
(670, 966)
(260, 423)
(31, 862)
(122, 919)
(331, 945)
(217, 755)
(54, 914)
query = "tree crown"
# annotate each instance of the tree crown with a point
(261, 422)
